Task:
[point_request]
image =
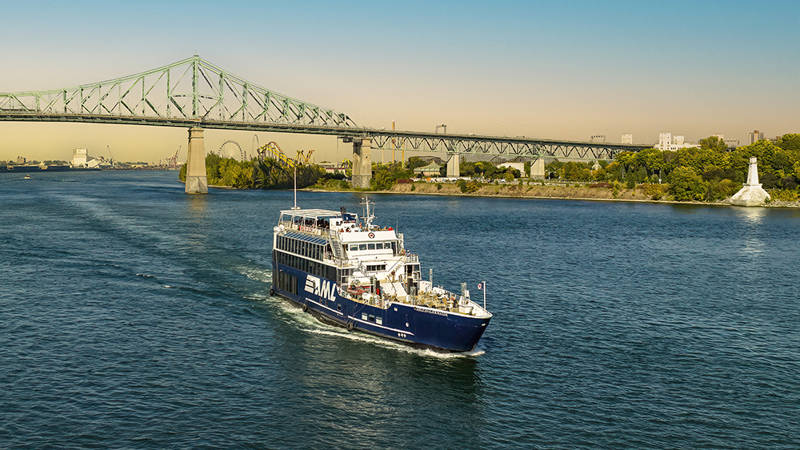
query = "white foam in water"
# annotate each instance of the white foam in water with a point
(119, 221)
(255, 273)
(310, 324)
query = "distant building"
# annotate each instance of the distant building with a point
(333, 167)
(666, 141)
(729, 143)
(598, 138)
(95, 163)
(21, 160)
(627, 139)
(756, 136)
(514, 165)
(431, 170)
(79, 157)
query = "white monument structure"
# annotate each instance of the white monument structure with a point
(752, 194)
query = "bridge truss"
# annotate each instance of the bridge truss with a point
(499, 145)
(190, 89)
(195, 93)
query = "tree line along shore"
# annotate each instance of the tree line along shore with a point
(710, 173)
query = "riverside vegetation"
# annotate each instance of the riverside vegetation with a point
(709, 173)
(255, 174)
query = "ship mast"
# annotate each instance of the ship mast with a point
(367, 216)
(295, 189)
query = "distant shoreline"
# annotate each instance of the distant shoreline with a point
(524, 195)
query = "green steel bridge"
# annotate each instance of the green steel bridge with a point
(193, 93)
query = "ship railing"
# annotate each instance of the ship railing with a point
(312, 229)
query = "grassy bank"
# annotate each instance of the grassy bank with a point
(536, 190)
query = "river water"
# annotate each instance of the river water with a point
(133, 315)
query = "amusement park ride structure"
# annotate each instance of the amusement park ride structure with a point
(273, 150)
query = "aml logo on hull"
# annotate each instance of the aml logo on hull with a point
(324, 289)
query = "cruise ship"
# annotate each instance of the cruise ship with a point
(347, 271)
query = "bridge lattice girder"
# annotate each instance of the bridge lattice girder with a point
(486, 145)
(191, 89)
(196, 93)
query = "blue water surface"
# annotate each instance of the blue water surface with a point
(133, 315)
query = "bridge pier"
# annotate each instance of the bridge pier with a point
(454, 166)
(196, 181)
(537, 169)
(362, 166)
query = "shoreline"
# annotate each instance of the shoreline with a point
(540, 197)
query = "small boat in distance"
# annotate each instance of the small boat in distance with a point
(26, 177)
(347, 271)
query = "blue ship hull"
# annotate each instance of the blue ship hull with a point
(409, 324)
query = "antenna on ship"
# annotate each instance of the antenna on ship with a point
(367, 216)
(295, 189)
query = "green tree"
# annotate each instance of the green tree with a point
(686, 184)
(790, 142)
(415, 161)
(713, 143)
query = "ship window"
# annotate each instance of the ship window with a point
(363, 316)
(362, 246)
(371, 318)
(371, 246)
(353, 247)
(379, 321)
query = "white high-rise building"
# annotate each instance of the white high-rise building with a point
(627, 138)
(756, 136)
(666, 141)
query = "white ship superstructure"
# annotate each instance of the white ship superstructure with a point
(360, 275)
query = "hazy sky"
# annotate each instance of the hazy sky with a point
(558, 69)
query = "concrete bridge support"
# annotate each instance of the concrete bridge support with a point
(362, 166)
(454, 165)
(196, 181)
(537, 169)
